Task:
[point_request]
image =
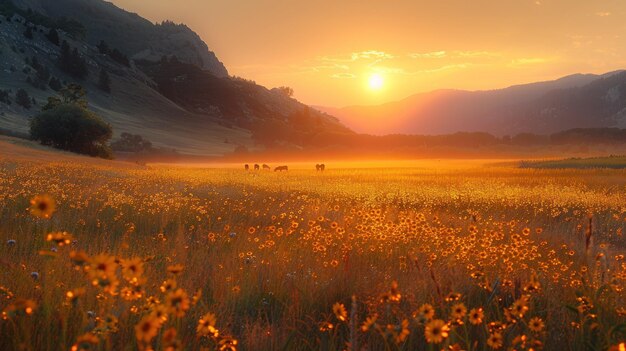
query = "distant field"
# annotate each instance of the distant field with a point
(427, 256)
(615, 162)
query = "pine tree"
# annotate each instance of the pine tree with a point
(28, 33)
(53, 36)
(22, 99)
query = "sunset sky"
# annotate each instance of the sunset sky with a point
(347, 52)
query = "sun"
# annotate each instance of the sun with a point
(376, 81)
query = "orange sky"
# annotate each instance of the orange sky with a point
(327, 50)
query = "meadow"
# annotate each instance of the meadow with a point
(426, 256)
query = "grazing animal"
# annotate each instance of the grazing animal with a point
(246, 167)
(266, 167)
(281, 168)
(317, 167)
(320, 167)
(256, 167)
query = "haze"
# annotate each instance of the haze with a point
(327, 50)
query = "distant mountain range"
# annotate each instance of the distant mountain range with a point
(166, 85)
(575, 101)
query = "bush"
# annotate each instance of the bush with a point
(55, 84)
(28, 33)
(22, 99)
(71, 61)
(132, 143)
(53, 36)
(73, 128)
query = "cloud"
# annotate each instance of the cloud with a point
(603, 14)
(527, 61)
(343, 76)
(432, 54)
(371, 54)
(444, 68)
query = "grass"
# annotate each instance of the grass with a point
(351, 258)
(615, 162)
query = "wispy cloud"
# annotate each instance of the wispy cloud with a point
(603, 13)
(432, 54)
(527, 61)
(343, 76)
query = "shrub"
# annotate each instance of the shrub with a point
(53, 36)
(71, 62)
(22, 99)
(132, 143)
(73, 128)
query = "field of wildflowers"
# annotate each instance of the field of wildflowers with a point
(424, 258)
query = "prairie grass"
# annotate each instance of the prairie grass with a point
(164, 258)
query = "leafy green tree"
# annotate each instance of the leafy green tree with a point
(22, 99)
(73, 128)
(72, 94)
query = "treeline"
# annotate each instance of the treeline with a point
(462, 140)
(69, 26)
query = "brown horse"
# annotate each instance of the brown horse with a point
(266, 167)
(246, 167)
(256, 167)
(281, 168)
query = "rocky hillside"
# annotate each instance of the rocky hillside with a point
(130, 33)
(172, 101)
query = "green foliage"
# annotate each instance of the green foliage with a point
(73, 128)
(70, 26)
(131, 143)
(5, 97)
(72, 94)
(22, 99)
(28, 33)
(55, 84)
(114, 54)
(72, 62)
(53, 36)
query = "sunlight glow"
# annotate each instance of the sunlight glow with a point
(376, 81)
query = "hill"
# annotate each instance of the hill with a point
(576, 101)
(208, 113)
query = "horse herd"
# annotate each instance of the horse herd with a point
(320, 167)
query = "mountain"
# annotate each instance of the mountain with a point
(575, 101)
(176, 95)
(130, 33)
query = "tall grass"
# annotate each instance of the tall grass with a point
(347, 259)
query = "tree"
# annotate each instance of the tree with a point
(53, 36)
(103, 47)
(287, 91)
(28, 33)
(73, 128)
(104, 82)
(72, 94)
(71, 62)
(55, 84)
(22, 99)
(131, 143)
